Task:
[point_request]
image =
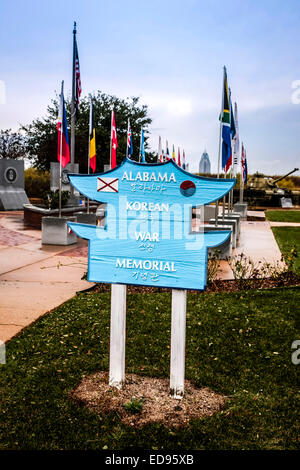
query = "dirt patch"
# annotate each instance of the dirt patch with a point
(152, 395)
(219, 285)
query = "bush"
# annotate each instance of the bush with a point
(245, 270)
(36, 182)
(51, 199)
(213, 264)
(134, 405)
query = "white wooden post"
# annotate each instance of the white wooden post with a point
(117, 335)
(178, 327)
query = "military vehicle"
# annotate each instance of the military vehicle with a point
(264, 191)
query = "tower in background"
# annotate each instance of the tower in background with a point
(204, 165)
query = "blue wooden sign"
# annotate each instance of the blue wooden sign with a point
(147, 238)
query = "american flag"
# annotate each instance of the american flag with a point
(77, 77)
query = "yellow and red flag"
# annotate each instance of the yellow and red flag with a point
(92, 140)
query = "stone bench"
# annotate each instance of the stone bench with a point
(232, 223)
(234, 216)
(224, 251)
(205, 213)
(241, 208)
(55, 231)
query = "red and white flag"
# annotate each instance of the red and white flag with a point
(160, 154)
(63, 150)
(179, 161)
(114, 142)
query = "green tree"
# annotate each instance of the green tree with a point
(41, 134)
(12, 144)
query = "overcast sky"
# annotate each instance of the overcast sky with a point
(171, 54)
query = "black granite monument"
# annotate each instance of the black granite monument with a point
(12, 193)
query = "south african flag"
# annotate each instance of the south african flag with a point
(226, 126)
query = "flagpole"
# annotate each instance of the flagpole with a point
(232, 197)
(127, 139)
(60, 152)
(236, 150)
(242, 176)
(224, 202)
(159, 149)
(219, 153)
(111, 138)
(241, 188)
(231, 192)
(89, 156)
(140, 154)
(231, 173)
(73, 110)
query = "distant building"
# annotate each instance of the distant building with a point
(204, 165)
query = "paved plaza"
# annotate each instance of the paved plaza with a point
(36, 278)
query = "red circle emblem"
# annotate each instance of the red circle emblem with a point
(187, 188)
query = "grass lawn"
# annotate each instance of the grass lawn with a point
(283, 216)
(238, 344)
(287, 237)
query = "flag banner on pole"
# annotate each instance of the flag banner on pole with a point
(167, 151)
(183, 159)
(245, 170)
(242, 155)
(244, 165)
(77, 77)
(226, 130)
(63, 149)
(160, 155)
(232, 122)
(92, 140)
(114, 142)
(173, 154)
(179, 161)
(232, 128)
(142, 151)
(236, 144)
(129, 141)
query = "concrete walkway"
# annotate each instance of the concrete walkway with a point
(284, 224)
(35, 279)
(258, 242)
